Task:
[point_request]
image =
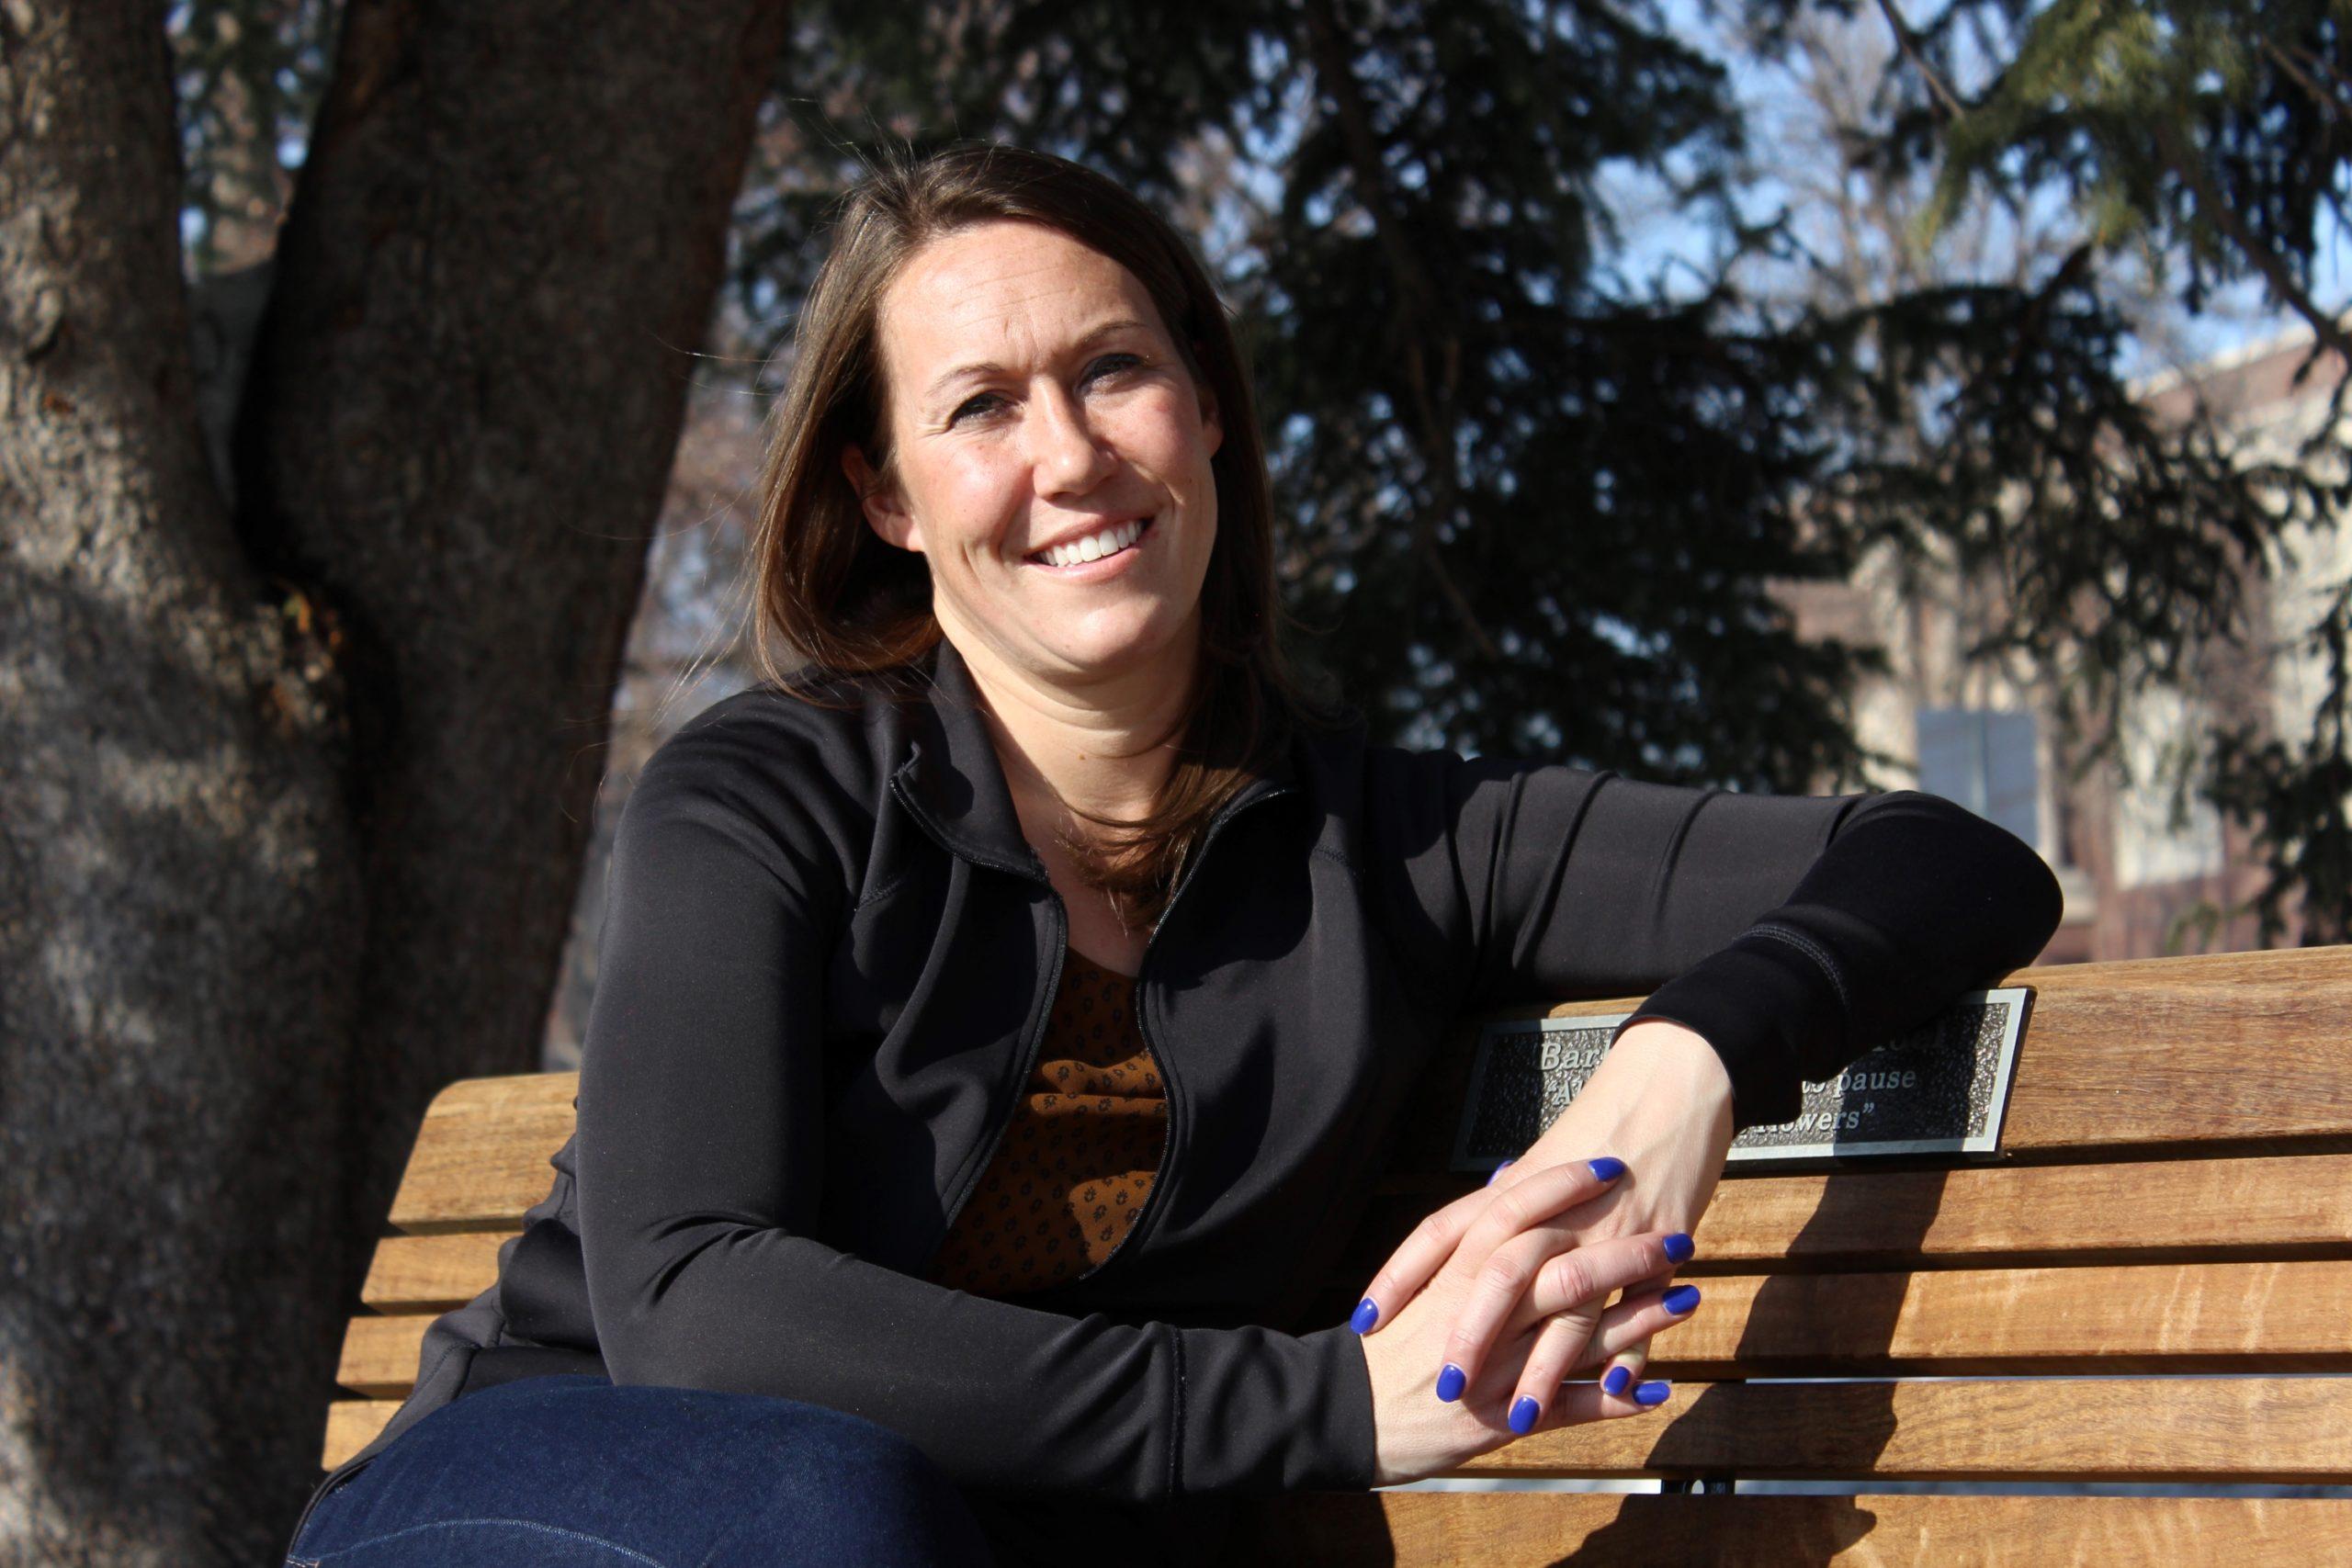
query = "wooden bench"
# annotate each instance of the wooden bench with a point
(2172, 1201)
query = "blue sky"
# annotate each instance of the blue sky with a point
(2233, 317)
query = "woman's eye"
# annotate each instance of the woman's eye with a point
(989, 402)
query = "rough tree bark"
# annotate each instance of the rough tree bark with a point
(292, 790)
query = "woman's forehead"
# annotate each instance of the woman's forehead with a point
(1004, 288)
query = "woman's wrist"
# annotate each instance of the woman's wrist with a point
(1661, 1090)
(1668, 1050)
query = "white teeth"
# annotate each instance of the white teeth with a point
(1096, 546)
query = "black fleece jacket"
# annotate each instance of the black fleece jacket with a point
(826, 961)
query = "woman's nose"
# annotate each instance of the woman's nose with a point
(1063, 447)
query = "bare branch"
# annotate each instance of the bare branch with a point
(1908, 42)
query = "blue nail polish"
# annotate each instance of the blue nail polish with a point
(1651, 1393)
(1367, 1313)
(1450, 1382)
(1523, 1415)
(1608, 1167)
(1679, 1300)
(1678, 1247)
(1497, 1171)
(1614, 1383)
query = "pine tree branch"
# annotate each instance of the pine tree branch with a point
(1415, 307)
(2324, 67)
(2191, 168)
(2326, 100)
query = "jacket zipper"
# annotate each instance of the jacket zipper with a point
(1038, 1039)
(1028, 1065)
(1167, 1068)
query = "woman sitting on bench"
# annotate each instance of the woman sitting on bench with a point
(999, 1020)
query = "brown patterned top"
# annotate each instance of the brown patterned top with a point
(1078, 1158)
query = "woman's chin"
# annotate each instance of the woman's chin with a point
(1122, 650)
(1106, 642)
(1102, 664)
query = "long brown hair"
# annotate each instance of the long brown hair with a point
(825, 585)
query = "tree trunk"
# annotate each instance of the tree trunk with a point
(292, 794)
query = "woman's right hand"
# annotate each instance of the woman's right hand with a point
(1420, 1434)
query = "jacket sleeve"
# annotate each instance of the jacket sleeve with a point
(1793, 933)
(701, 1116)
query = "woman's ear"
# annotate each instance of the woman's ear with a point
(886, 511)
(1211, 426)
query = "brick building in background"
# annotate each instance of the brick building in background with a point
(2139, 868)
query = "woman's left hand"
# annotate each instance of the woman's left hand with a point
(1659, 1103)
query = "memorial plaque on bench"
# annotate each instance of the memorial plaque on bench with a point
(1940, 1089)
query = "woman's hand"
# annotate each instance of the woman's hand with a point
(1660, 1104)
(1417, 1436)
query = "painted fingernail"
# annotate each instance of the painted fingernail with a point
(1608, 1167)
(1614, 1383)
(1678, 1247)
(1681, 1299)
(1651, 1393)
(1450, 1382)
(1498, 1170)
(1367, 1313)
(1523, 1415)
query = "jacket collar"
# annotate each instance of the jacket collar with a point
(953, 782)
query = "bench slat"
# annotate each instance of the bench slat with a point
(2160, 1317)
(2152, 1053)
(2146, 1429)
(431, 1273)
(2086, 1212)
(2237, 1429)
(2169, 1317)
(2147, 1053)
(2227, 1046)
(379, 1355)
(2111, 1319)
(2172, 1211)
(2166, 1317)
(2179, 1210)
(1525, 1529)
(352, 1425)
(481, 1153)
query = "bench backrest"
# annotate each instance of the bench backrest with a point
(2173, 1199)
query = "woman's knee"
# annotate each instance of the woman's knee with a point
(595, 1414)
(862, 1492)
(850, 1448)
(809, 1483)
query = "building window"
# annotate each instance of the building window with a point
(1983, 759)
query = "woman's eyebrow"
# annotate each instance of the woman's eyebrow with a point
(988, 367)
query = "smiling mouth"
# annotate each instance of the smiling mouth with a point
(1123, 539)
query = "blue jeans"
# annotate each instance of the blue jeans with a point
(569, 1472)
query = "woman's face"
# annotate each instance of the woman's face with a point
(1035, 397)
